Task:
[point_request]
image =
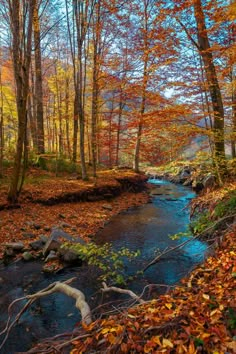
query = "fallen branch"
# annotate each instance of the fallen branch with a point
(76, 294)
(64, 288)
(171, 249)
(122, 291)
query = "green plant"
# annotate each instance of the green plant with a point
(111, 263)
(226, 207)
(201, 223)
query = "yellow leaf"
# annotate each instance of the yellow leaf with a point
(205, 296)
(167, 343)
(168, 305)
(156, 339)
(111, 338)
(131, 316)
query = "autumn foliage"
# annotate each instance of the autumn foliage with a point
(198, 316)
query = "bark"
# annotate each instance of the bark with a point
(213, 85)
(143, 96)
(38, 83)
(21, 61)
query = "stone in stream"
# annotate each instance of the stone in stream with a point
(52, 256)
(27, 256)
(57, 239)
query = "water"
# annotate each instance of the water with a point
(145, 228)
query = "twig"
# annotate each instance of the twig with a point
(156, 259)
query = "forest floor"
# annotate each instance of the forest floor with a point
(84, 219)
(198, 316)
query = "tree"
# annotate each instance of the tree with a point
(21, 22)
(38, 81)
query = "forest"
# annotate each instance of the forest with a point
(97, 99)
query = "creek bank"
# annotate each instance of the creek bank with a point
(187, 176)
(102, 203)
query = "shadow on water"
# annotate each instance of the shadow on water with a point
(146, 228)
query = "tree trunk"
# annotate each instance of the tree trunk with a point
(213, 85)
(21, 50)
(38, 83)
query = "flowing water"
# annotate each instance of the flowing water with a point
(146, 228)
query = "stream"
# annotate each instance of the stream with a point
(146, 228)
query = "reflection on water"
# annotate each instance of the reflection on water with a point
(146, 228)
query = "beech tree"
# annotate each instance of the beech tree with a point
(21, 24)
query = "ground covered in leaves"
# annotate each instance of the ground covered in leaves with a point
(31, 218)
(198, 316)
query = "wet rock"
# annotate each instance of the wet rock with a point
(37, 245)
(70, 257)
(107, 206)
(95, 198)
(51, 257)
(49, 268)
(27, 256)
(57, 238)
(15, 246)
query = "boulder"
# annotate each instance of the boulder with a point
(56, 240)
(37, 245)
(15, 246)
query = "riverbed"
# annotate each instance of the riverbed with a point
(147, 228)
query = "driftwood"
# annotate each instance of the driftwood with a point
(122, 291)
(62, 287)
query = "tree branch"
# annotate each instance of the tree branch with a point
(122, 291)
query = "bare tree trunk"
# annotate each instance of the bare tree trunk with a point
(213, 84)
(21, 50)
(1, 127)
(38, 82)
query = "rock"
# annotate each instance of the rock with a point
(37, 245)
(43, 238)
(27, 256)
(57, 238)
(16, 246)
(107, 206)
(70, 257)
(28, 235)
(47, 228)
(51, 257)
(9, 252)
(62, 216)
(209, 181)
(49, 268)
(197, 186)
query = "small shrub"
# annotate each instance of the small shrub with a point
(226, 207)
(201, 223)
